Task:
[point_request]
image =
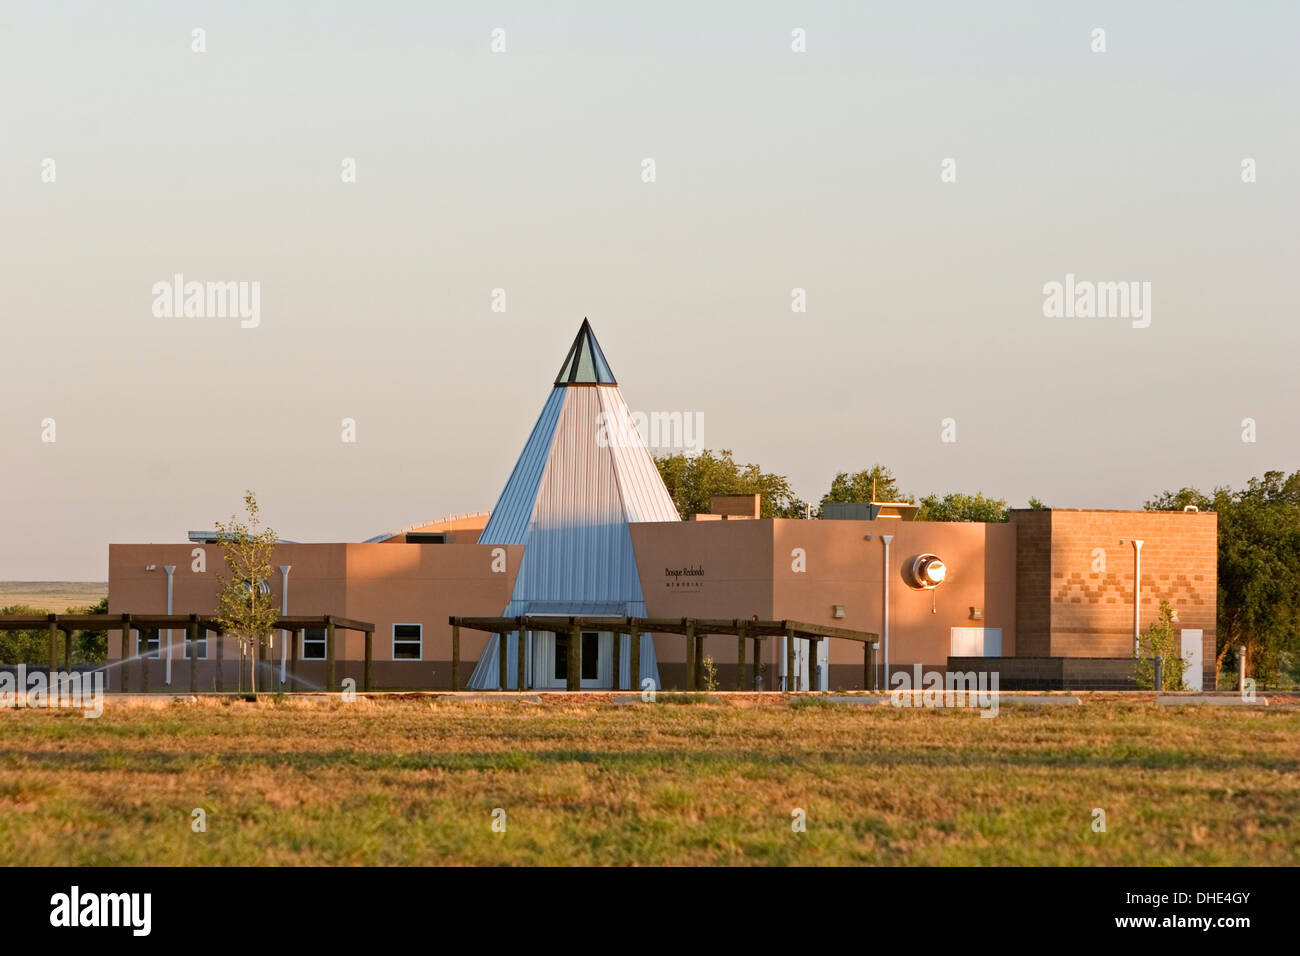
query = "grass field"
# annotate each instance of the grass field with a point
(401, 781)
(52, 596)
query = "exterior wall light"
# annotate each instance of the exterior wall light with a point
(837, 611)
(927, 572)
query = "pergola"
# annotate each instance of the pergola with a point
(191, 624)
(694, 630)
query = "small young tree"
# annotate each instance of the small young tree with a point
(1160, 641)
(244, 605)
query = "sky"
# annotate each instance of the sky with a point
(524, 170)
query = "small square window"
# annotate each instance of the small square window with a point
(152, 643)
(313, 643)
(200, 644)
(407, 642)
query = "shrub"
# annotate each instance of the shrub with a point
(1160, 640)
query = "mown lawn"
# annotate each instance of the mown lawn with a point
(391, 781)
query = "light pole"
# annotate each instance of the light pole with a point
(170, 569)
(885, 625)
(1137, 595)
(284, 612)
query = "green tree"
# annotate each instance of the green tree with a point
(1160, 641)
(692, 479)
(1258, 568)
(876, 483)
(244, 605)
(91, 646)
(33, 647)
(25, 647)
(962, 507)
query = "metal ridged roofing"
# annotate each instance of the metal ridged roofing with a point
(574, 527)
(583, 476)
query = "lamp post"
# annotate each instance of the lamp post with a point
(1137, 595)
(167, 678)
(886, 538)
(284, 612)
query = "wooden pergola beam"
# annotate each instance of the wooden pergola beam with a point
(737, 627)
(106, 622)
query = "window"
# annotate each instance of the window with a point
(561, 657)
(406, 642)
(200, 643)
(313, 643)
(590, 656)
(152, 644)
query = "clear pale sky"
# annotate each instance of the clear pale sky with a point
(522, 170)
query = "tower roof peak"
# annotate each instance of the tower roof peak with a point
(585, 364)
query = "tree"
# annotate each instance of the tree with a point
(876, 483)
(33, 647)
(692, 480)
(25, 647)
(1160, 641)
(1258, 568)
(244, 606)
(962, 507)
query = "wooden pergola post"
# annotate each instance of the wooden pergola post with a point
(54, 645)
(125, 679)
(192, 639)
(690, 654)
(503, 644)
(329, 652)
(758, 662)
(868, 667)
(521, 676)
(574, 677)
(789, 662)
(67, 649)
(813, 642)
(634, 659)
(142, 635)
(292, 676)
(699, 661)
(365, 675)
(455, 657)
(221, 662)
(740, 660)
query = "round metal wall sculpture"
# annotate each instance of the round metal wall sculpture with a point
(927, 572)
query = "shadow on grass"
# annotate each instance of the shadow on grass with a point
(642, 759)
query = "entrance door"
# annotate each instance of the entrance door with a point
(595, 668)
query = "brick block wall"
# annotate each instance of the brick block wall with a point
(1033, 582)
(1075, 594)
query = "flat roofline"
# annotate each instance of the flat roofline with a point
(1120, 511)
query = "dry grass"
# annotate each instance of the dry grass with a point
(52, 596)
(393, 781)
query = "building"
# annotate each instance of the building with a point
(585, 528)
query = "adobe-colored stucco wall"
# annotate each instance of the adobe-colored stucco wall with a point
(749, 569)
(385, 584)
